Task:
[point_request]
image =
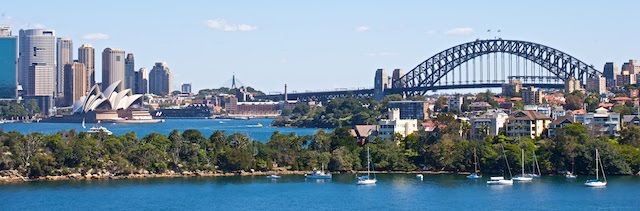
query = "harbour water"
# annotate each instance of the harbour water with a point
(293, 192)
(249, 127)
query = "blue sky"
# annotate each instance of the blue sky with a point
(314, 45)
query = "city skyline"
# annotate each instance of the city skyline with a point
(326, 42)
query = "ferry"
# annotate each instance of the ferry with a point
(99, 129)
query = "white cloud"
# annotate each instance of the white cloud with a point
(382, 54)
(459, 31)
(95, 36)
(223, 25)
(363, 28)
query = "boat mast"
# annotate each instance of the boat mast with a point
(522, 152)
(368, 163)
(535, 159)
(506, 161)
(597, 160)
(475, 161)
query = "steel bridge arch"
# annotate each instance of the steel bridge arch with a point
(425, 76)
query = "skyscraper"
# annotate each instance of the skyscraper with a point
(610, 72)
(87, 56)
(160, 79)
(8, 64)
(142, 81)
(112, 66)
(129, 72)
(64, 54)
(75, 82)
(37, 53)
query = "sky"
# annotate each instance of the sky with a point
(319, 45)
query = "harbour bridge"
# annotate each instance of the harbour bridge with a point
(477, 64)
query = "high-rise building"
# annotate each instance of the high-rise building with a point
(112, 66)
(40, 80)
(142, 81)
(610, 72)
(75, 82)
(512, 88)
(381, 82)
(571, 85)
(597, 84)
(129, 72)
(37, 53)
(87, 56)
(160, 79)
(396, 79)
(64, 54)
(532, 96)
(632, 67)
(8, 64)
(186, 88)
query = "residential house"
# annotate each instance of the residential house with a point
(529, 124)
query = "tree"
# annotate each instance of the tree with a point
(573, 102)
(630, 135)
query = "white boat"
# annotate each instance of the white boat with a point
(569, 174)
(99, 129)
(273, 176)
(420, 177)
(535, 166)
(499, 181)
(522, 177)
(502, 180)
(318, 174)
(366, 179)
(475, 174)
(597, 182)
(83, 125)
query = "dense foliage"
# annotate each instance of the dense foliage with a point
(336, 113)
(13, 110)
(226, 90)
(68, 152)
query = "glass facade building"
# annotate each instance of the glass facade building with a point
(8, 66)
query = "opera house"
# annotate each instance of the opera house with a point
(111, 105)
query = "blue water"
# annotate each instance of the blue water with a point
(206, 126)
(393, 192)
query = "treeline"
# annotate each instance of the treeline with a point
(13, 110)
(36, 155)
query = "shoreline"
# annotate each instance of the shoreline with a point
(12, 176)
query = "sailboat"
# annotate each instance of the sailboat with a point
(522, 176)
(367, 180)
(83, 125)
(475, 174)
(502, 180)
(597, 182)
(569, 174)
(318, 174)
(535, 166)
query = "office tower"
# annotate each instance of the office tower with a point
(142, 81)
(381, 82)
(87, 56)
(37, 54)
(64, 55)
(597, 84)
(112, 67)
(186, 88)
(129, 72)
(610, 72)
(160, 79)
(8, 64)
(75, 82)
(396, 79)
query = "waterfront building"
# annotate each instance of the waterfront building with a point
(142, 81)
(394, 125)
(600, 122)
(532, 95)
(75, 82)
(129, 72)
(395, 79)
(381, 82)
(597, 84)
(610, 73)
(8, 64)
(112, 66)
(160, 79)
(64, 56)
(186, 88)
(86, 56)
(487, 124)
(411, 109)
(37, 53)
(559, 123)
(529, 124)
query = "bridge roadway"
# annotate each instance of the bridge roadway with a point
(322, 95)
